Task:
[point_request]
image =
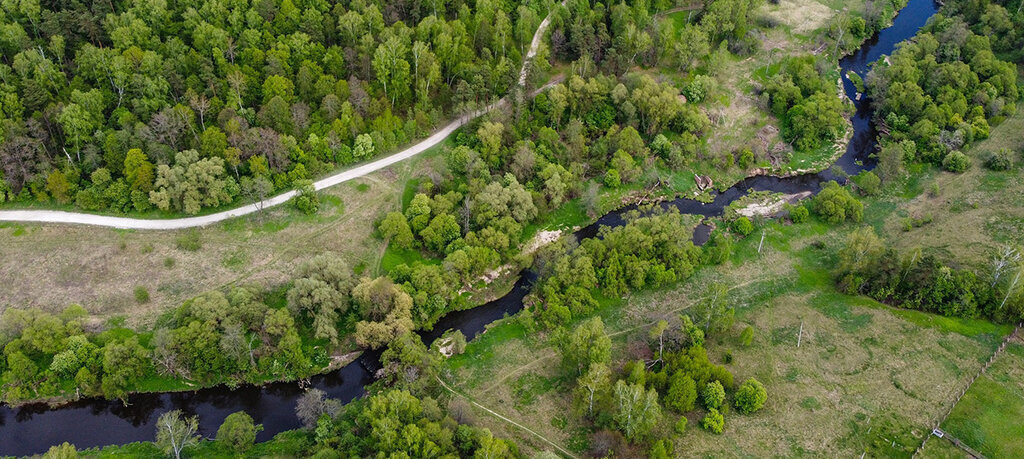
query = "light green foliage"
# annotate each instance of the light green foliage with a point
(751, 396)
(395, 228)
(192, 184)
(637, 409)
(175, 433)
(835, 204)
(585, 346)
(747, 336)
(306, 201)
(238, 432)
(713, 421)
(713, 395)
(742, 226)
(868, 182)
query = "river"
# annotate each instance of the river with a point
(32, 429)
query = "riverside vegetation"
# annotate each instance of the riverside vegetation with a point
(581, 145)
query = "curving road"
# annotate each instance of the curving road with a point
(57, 216)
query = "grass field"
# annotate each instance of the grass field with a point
(51, 266)
(974, 213)
(865, 378)
(990, 416)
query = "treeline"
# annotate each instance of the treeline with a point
(938, 93)
(923, 282)
(617, 36)
(392, 422)
(125, 106)
(1002, 21)
(234, 336)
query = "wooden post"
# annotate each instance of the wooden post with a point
(800, 334)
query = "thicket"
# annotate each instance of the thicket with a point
(802, 96)
(129, 105)
(940, 91)
(922, 282)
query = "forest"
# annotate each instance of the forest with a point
(164, 109)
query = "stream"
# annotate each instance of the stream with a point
(32, 429)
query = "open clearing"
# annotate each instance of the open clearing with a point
(865, 378)
(103, 266)
(974, 213)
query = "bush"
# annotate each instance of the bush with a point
(836, 205)
(747, 337)
(798, 214)
(869, 183)
(306, 201)
(681, 425)
(168, 262)
(999, 160)
(751, 396)
(698, 89)
(141, 295)
(742, 226)
(713, 395)
(612, 179)
(190, 241)
(956, 162)
(713, 421)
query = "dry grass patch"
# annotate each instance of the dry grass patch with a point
(801, 16)
(51, 266)
(975, 212)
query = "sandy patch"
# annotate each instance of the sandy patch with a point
(802, 16)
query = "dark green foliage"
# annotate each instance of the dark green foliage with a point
(921, 282)
(999, 160)
(272, 90)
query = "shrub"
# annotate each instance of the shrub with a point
(747, 336)
(836, 205)
(307, 201)
(956, 162)
(168, 262)
(798, 214)
(713, 395)
(869, 183)
(751, 396)
(190, 241)
(742, 226)
(713, 421)
(999, 160)
(681, 425)
(612, 179)
(745, 159)
(141, 295)
(238, 432)
(698, 89)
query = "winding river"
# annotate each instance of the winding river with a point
(32, 429)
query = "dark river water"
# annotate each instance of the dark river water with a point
(33, 429)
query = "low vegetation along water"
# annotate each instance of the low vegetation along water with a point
(34, 428)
